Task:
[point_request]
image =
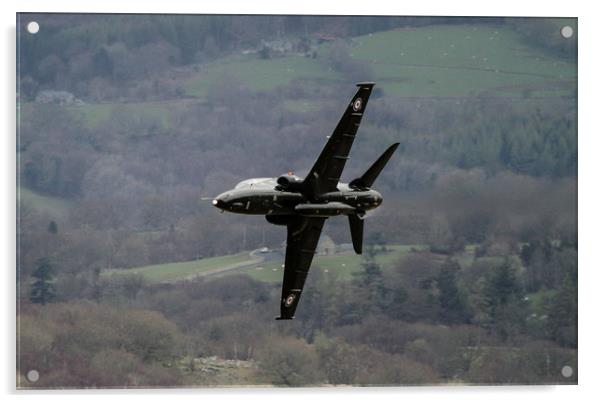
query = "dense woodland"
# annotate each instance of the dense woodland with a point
(495, 175)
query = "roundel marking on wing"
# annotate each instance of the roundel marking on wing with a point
(289, 300)
(357, 104)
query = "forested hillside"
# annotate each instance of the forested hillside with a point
(126, 121)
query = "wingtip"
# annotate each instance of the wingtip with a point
(392, 148)
(368, 84)
(283, 318)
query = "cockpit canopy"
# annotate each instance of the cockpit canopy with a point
(255, 182)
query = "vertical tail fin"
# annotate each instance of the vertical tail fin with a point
(356, 225)
(368, 178)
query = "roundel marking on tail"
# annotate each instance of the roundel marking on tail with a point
(289, 300)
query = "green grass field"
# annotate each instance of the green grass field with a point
(540, 299)
(178, 271)
(95, 113)
(342, 266)
(438, 60)
(55, 206)
(459, 60)
(256, 73)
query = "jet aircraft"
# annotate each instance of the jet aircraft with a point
(303, 205)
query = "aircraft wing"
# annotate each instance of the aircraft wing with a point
(326, 172)
(301, 241)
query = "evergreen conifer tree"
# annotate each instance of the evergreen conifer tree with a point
(42, 289)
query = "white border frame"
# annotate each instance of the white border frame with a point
(589, 199)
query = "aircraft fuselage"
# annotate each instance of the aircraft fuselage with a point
(263, 196)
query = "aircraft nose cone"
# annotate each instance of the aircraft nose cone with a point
(218, 203)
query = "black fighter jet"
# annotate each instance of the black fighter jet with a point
(302, 205)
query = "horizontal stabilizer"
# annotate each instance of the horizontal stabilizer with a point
(368, 178)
